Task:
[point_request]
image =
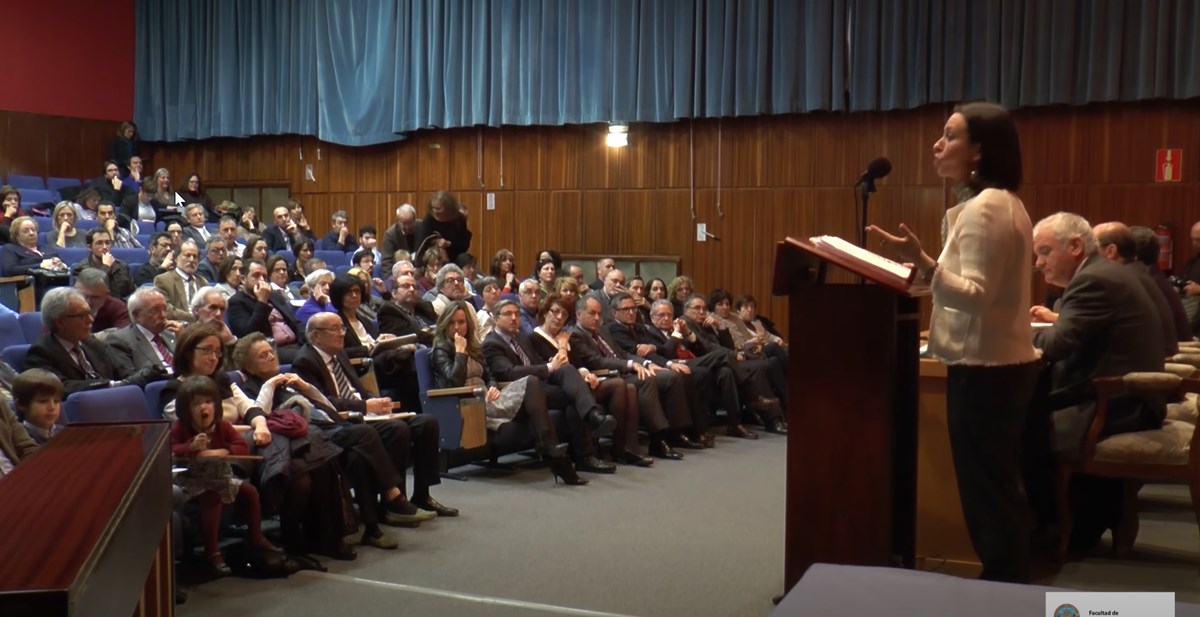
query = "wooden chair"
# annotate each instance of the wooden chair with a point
(1169, 453)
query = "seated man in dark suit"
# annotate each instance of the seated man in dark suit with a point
(340, 236)
(285, 233)
(1146, 251)
(255, 308)
(162, 260)
(107, 311)
(1107, 326)
(214, 253)
(407, 313)
(195, 230)
(70, 351)
(661, 398)
(324, 364)
(99, 242)
(150, 340)
(510, 356)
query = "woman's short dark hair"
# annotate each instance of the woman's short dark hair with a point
(7, 190)
(186, 344)
(991, 127)
(554, 257)
(301, 244)
(743, 301)
(34, 383)
(342, 285)
(251, 240)
(274, 259)
(718, 295)
(225, 268)
(197, 387)
(86, 195)
(552, 299)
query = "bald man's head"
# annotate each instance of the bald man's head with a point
(1116, 242)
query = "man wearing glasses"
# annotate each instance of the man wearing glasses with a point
(70, 351)
(451, 287)
(407, 313)
(215, 251)
(181, 283)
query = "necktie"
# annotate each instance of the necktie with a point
(341, 381)
(161, 346)
(520, 352)
(604, 348)
(190, 287)
(82, 361)
(203, 233)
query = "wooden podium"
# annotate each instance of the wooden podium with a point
(852, 414)
(87, 525)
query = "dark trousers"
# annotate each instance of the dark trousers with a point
(712, 386)
(415, 439)
(566, 391)
(368, 466)
(619, 399)
(985, 409)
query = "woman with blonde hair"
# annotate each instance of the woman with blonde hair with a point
(64, 218)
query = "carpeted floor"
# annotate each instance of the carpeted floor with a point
(692, 538)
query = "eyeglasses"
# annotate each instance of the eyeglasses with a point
(209, 351)
(406, 286)
(338, 329)
(455, 280)
(75, 315)
(625, 309)
(509, 314)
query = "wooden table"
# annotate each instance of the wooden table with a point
(942, 541)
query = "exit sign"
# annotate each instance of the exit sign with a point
(1168, 165)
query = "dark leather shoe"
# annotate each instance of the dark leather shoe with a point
(660, 449)
(683, 441)
(434, 505)
(777, 426)
(594, 465)
(706, 440)
(341, 551)
(741, 432)
(625, 457)
(602, 424)
(180, 595)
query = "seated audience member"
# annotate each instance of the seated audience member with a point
(432, 260)
(110, 186)
(364, 260)
(175, 229)
(180, 284)
(713, 374)
(469, 266)
(340, 236)
(122, 238)
(132, 174)
(162, 259)
(637, 290)
(15, 443)
(402, 236)
(1107, 326)
(372, 303)
(1116, 243)
(150, 339)
(552, 256)
(227, 228)
(720, 302)
(37, 397)
(619, 396)
(305, 249)
(24, 254)
(10, 205)
(509, 356)
(163, 193)
(407, 313)
(568, 288)
(209, 307)
(457, 360)
(70, 351)
(141, 207)
(87, 202)
(193, 193)
(662, 402)
(656, 289)
(286, 232)
(195, 230)
(575, 271)
(504, 269)
(279, 274)
(249, 225)
(603, 266)
(761, 327)
(64, 224)
(214, 253)
(324, 363)
(393, 367)
(704, 334)
(200, 431)
(367, 241)
(450, 286)
(1147, 248)
(318, 283)
(107, 311)
(545, 273)
(531, 302)
(255, 308)
(614, 283)
(678, 291)
(229, 275)
(485, 318)
(256, 248)
(99, 243)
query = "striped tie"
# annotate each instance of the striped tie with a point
(345, 390)
(161, 346)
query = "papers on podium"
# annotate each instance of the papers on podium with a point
(861, 261)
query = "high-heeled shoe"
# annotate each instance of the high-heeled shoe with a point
(562, 468)
(558, 451)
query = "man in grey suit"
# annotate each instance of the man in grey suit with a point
(1107, 325)
(150, 339)
(614, 283)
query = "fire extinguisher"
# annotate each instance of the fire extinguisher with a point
(1166, 247)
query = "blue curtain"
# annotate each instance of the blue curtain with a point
(1021, 53)
(360, 72)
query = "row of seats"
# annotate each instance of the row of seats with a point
(37, 183)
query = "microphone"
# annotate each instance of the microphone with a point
(876, 169)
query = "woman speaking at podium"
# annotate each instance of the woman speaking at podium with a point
(980, 327)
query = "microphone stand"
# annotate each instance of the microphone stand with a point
(867, 182)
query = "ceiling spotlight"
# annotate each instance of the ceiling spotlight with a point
(618, 136)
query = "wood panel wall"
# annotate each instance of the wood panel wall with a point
(752, 180)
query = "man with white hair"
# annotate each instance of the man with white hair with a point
(1107, 326)
(107, 311)
(150, 339)
(195, 229)
(400, 237)
(208, 307)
